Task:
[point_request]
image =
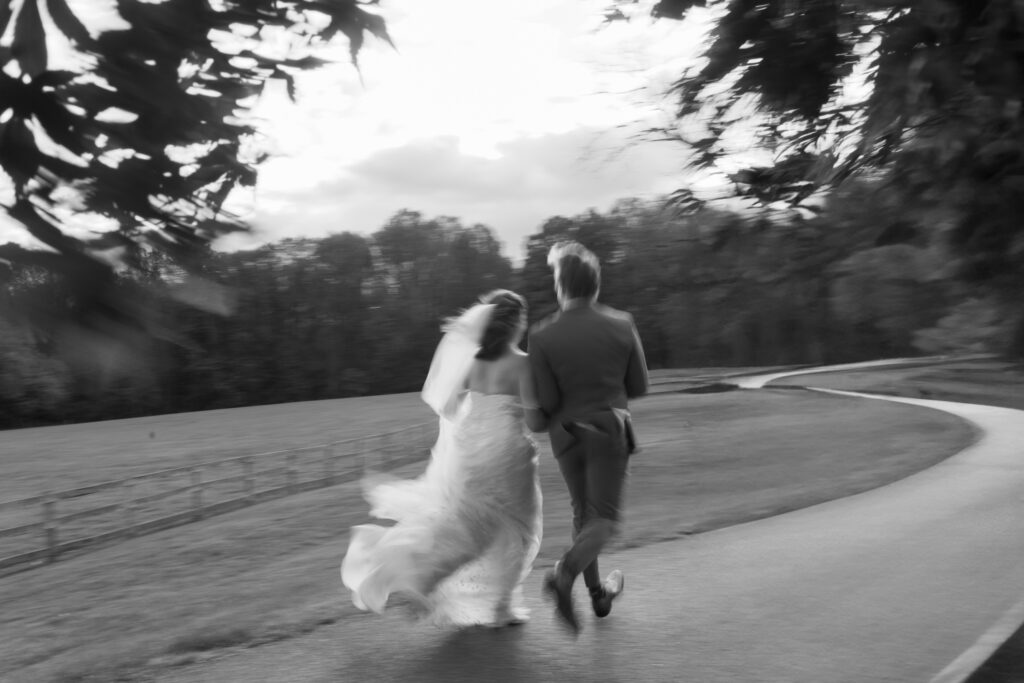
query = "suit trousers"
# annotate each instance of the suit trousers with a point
(594, 466)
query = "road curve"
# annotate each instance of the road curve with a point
(758, 381)
(893, 584)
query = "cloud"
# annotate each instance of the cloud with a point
(500, 118)
(532, 179)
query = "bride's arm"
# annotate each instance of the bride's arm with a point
(536, 420)
(451, 409)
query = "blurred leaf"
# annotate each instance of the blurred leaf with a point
(675, 9)
(19, 155)
(6, 12)
(67, 22)
(685, 202)
(43, 230)
(58, 122)
(289, 83)
(308, 62)
(29, 43)
(50, 79)
(354, 23)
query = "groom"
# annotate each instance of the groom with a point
(586, 362)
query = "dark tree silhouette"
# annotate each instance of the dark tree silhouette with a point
(148, 138)
(939, 116)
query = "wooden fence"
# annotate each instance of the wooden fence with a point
(46, 526)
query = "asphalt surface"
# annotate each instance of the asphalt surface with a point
(1006, 665)
(901, 583)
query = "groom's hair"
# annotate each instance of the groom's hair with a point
(577, 270)
(507, 319)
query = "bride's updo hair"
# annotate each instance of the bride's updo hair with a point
(508, 320)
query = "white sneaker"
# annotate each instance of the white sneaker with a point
(611, 588)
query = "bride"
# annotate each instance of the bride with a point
(468, 529)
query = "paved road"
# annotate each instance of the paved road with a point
(890, 585)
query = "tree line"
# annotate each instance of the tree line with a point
(354, 315)
(907, 239)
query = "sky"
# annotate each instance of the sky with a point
(504, 118)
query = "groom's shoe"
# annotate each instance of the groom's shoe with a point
(602, 596)
(558, 587)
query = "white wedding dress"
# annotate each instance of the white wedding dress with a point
(473, 519)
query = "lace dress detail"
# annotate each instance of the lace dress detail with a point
(466, 532)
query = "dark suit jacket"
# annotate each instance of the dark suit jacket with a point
(587, 361)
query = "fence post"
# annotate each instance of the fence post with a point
(329, 464)
(128, 505)
(247, 473)
(196, 476)
(50, 528)
(290, 472)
